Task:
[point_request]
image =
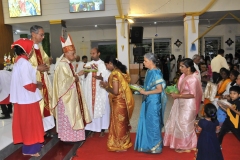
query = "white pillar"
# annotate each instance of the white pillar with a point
(123, 42)
(189, 36)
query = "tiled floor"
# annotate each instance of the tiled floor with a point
(137, 108)
(5, 133)
(6, 125)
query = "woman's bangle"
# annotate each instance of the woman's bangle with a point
(180, 95)
(106, 87)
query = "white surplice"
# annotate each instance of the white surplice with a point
(51, 72)
(20, 78)
(100, 113)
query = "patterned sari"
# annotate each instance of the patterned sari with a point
(150, 123)
(221, 114)
(222, 85)
(121, 111)
(179, 129)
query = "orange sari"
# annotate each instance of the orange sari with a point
(222, 85)
(121, 112)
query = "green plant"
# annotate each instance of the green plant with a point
(23, 35)
(46, 44)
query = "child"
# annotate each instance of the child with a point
(208, 147)
(27, 125)
(231, 123)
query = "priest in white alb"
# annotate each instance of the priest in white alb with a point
(98, 102)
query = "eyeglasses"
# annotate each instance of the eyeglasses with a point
(42, 35)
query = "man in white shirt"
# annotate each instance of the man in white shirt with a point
(196, 60)
(217, 63)
(80, 66)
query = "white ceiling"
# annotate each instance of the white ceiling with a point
(207, 18)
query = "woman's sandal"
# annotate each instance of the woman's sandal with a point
(182, 150)
(33, 155)
(121, 151)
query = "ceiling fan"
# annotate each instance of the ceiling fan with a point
(209, 24)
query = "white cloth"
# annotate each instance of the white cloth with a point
(48, 123)
(80, 66)
(98, 124)
(78, 69)
(197, 69)
(5, 82)
(23, 74)
(51, 72)
(101, 114)
(226, 92)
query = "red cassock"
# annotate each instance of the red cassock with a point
(27, 122)
(6, 100)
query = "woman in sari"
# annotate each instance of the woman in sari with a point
(233, 77)
(150, 123)
(222, 86)
(179, 129)
(121, 103)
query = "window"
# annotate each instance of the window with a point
(237, 43)
(106, 48)
(162, 46)
(212, 45)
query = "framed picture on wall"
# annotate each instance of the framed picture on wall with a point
(86, 5)
(24, 8)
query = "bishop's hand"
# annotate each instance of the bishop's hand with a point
(81, 73)
(76, 78)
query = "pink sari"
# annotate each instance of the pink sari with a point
(179, 129)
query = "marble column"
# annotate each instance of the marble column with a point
(190, 36)
(123, 42)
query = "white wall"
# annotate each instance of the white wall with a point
(83, 48)
(16, 37)
(224, 31)
(59, 9)
(163, 7)
(83, 45)
(174, 32)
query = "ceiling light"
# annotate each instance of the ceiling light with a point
(95, 25)
(130, 20)
(155, 22)
(17, 30)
